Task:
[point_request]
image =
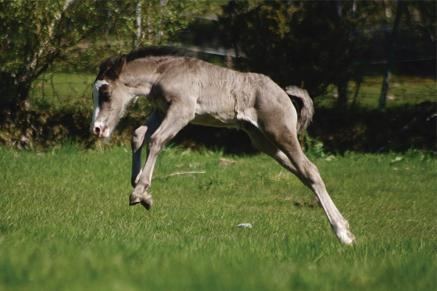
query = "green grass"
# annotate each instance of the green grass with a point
(65, 223)
(404, 90)
(62, 90)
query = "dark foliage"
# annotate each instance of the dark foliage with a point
(305, 43)
(372, 130)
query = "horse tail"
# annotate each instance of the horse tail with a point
(306, 111)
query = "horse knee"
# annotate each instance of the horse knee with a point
(156, 144)
(138, 137)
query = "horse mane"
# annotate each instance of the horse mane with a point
(110, 66)
(155, 51)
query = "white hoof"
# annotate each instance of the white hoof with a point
(345, 236)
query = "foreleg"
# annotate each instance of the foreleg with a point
(176, 119)
(141, 136)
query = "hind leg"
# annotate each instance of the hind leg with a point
(282, 144)
(261, 143)
(310, 176)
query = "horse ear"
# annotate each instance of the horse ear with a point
(117, 67)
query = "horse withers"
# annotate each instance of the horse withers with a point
(185, 90)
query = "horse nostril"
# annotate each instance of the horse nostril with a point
(96, 130)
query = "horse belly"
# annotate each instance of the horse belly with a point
(215, 112)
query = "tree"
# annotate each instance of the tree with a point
(157, 22)
(308, 43)
(414, 23)
(33, 34)
(390, 55)
(318, 43)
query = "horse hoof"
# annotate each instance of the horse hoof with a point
(147, 203)
(134, 200)
(145, 200)
(346, 236)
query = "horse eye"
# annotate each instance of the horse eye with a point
(104, 97)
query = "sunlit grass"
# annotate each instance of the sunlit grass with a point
(62, 90)
(404, 90)
(65, 223)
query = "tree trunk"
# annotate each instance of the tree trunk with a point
(358, 82)
(162, 3)
(339, 8)
(390, 57)
(139, 31)
(13, 92)
(342, 93)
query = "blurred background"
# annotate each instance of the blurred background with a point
(370, 66)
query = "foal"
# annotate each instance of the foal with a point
(186, 90)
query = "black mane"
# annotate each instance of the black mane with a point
(155, 51)
(109, 66)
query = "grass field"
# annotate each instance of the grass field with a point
(65, 223)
